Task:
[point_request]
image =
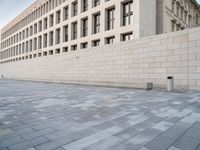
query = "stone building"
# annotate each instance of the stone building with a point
(51, 27)
(175, 15)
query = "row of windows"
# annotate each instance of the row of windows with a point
(45, 8)
(28, 47)
(127, 17)
(183, 12)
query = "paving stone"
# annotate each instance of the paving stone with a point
(49, 116)
(176, 131)
(160, 143)
(50, 145)
(193, 132)
(11, 141)
(187, 143)
(106, 144)
(28, 143)
(38, 133)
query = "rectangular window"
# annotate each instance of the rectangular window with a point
(51, 18)
(45, 40)
(58, 17)
(51, 38)
(109, 40)
(44, 53)
(27, 47)
(51, 52)
(39, 42)
(95, 43)
(96, 23)
(84, 5)
(74, 8)
(84, 27)
(45, 23)
(27, 33)
(58, 36)
(110, 15)
(35, 28)
(127, 13)
(74, 30)
(65, 49)
(65, 13)
(73, 47)
(84, 45)
(65, 36)
(40, 26)
(39, 54)
(96, 3)
(57, 51)
(35, 44)
(31, 45)
(127, 36)
(31, 30)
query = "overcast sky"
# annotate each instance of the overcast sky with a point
(9, 9)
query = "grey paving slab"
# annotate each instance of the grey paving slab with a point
(187, 143)
(49, 116)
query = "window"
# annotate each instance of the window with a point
(51, 38)
(40, 26)
(31, 45)
(39, 42)
(96, 23)
(58, 17)
(65, 13)
(57, 51)
(177, 10)
(44, 53)
(127, 36)
(51, 52)
(65, 30)
(27, 47)
(173, 6)
(65, 49)
(39, 54)
(27, 34)
(95, 43)
(45, 23)
(128, 13)
(45, 40)
(74, 8)
(110, 18)
(31, 30)
(74, 30)
(96, 3)
(84, 45)
(173, 26)
(35, 28)
(51, 20)
(58, 36)
(84, 5)
(73, 47)
(84, 27)
(109, 40)
(35, 44)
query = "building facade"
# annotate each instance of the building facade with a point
(51, 27)
(175, 15)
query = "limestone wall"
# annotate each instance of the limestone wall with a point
(126, 64)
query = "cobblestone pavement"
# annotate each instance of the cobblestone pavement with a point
(49, 116)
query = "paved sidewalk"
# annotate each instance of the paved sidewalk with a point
(49, 116)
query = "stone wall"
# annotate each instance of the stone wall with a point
(126, 64)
